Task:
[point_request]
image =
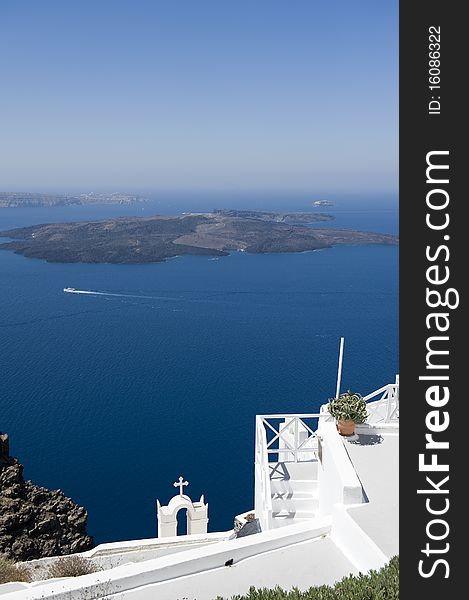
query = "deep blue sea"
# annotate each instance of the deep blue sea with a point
(111, 398)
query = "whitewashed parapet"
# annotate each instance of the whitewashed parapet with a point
(355, 544)
(337, 479)
(128, 579)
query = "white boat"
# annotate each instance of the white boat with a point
(70, 290)
(323, 203)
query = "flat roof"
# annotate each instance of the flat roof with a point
(302, 565)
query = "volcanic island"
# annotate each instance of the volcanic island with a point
(156, 238)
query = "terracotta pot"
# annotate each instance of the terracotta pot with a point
(346, 427)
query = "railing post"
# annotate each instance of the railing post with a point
(296, 438)
(388, 404)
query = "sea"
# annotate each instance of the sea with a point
(111, 397)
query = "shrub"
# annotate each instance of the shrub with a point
(376, 585)
(9, 571)
(349, 406)
(71, 566)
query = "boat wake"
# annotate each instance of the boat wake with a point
(96, 293)
(214, 298)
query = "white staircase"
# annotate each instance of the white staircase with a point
(294, 492)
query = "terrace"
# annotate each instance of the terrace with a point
(327, 507)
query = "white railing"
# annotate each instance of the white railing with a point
(280, 438)
(384, 407)
(289, 438)
(263, 493)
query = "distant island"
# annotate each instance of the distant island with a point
(33, 199)
(156, 238)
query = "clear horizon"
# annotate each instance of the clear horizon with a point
(200, 97)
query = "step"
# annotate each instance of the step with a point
(294, 504)
(294, 486)
(307, 470)
(294, 515)
(286, 521)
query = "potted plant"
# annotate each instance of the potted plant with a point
(349, 408)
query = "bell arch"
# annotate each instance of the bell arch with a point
(197, 514)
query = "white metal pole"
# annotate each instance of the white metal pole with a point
(339, 369)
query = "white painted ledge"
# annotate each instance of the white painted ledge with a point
(167, 568)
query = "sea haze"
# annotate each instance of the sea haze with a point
(111, 398)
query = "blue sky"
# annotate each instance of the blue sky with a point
(199, 95)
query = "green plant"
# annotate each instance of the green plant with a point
(71, 566)
(375, 585)
(10, 571)
(349, 406)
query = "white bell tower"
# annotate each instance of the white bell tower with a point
(197, 513)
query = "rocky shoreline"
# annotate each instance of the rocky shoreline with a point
(34, 521)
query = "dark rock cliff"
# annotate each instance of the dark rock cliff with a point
(34, 521)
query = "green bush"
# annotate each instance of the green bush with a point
(349, 406)
(9, 571)
(376, 585)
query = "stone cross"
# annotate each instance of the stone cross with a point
(180, 484)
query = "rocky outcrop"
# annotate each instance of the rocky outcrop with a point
(37, 522)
